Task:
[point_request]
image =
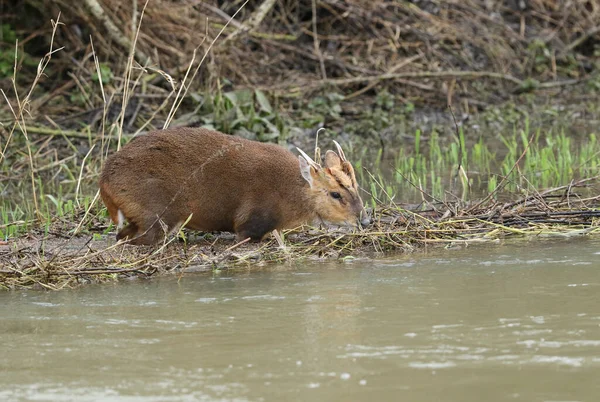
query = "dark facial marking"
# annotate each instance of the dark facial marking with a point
(339, 182)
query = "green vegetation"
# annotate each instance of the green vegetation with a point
(245, 113)
(526, 161)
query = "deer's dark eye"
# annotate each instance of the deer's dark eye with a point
(335, 195)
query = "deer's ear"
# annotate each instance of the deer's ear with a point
(306, 170)
(333, 160)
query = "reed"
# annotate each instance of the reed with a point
(549, 159)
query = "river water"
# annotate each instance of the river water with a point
(511, 322)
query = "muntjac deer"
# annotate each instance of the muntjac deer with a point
(216, 182)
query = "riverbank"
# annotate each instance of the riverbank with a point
(51, 257)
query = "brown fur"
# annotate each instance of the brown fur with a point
(222, 183)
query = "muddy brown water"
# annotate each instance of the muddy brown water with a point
(511, 322)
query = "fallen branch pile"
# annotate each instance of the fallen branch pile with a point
(426, 51)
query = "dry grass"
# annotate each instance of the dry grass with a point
(55, 259)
